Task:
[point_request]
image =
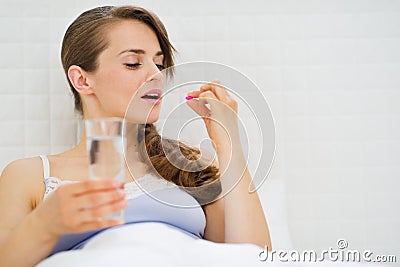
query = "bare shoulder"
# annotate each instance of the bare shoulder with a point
(19, 189)
(23, 177)
(23, 169)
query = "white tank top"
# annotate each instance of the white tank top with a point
(147, 183)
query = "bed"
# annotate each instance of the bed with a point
(159, 244)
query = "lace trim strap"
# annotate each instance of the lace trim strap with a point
(46, 166)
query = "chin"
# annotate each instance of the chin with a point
(151, 118)
(153, 115)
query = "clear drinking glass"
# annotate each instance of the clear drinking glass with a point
(105, 147)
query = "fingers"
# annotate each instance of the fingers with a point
(219, 91)
(213, 91)
(199, 108)
(88, 186)
(85, 205)
(99, 198)
(204, 106)
(104, 199)
(93, 215)
(208, 97)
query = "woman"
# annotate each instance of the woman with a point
(107, 54)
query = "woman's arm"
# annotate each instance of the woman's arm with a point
(23, 241)
(29, 233)
(215, 221)
(244, 217)
(224, 228)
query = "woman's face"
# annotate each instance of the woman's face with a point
(127, 69)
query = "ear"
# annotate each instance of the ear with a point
(80, 80)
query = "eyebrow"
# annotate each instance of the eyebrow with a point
(140, 51)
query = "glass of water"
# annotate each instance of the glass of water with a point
(105, 144)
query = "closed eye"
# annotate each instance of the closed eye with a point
(136, 65)
(160, 67)
(133, 66)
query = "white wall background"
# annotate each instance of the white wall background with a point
(329, 69)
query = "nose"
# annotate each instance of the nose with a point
(152, 73)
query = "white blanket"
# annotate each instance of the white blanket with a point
(157, 244)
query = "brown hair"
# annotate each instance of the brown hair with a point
(83, 42)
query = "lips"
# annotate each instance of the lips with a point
(152, 96)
